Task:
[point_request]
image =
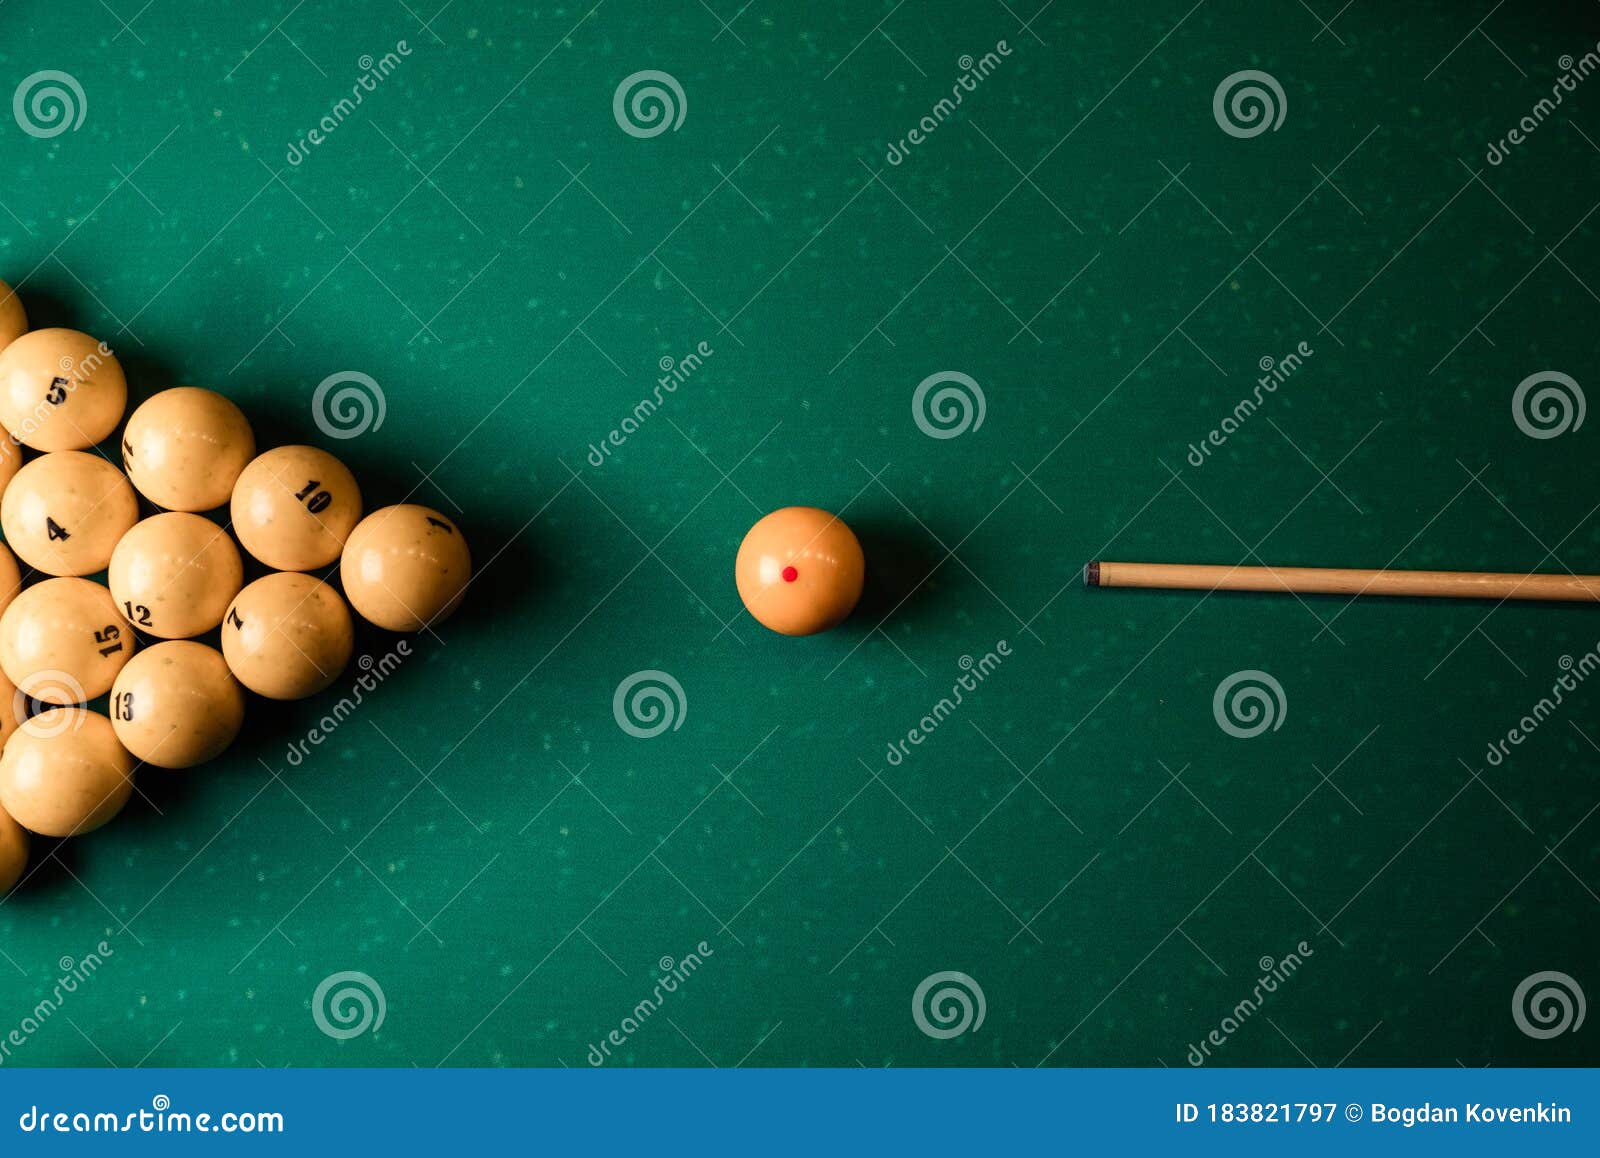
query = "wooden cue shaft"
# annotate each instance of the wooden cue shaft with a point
(1346, 581)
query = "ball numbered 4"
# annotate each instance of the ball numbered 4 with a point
(64, 773)
(799, 571)
(63, 641)
(64, 512)
(174, 574)
(60, 390)
(405, 567)
(176, 705)
(13, 851)
(13, 320)
(294, 506)
(287, 636)
(184, 448)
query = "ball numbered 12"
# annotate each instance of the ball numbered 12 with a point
(174, 574)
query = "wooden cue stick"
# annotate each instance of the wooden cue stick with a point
(1346, 581)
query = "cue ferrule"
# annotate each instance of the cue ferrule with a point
(1497, 585)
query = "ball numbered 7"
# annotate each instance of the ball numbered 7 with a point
(64, 512)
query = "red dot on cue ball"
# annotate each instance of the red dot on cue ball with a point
(790, 574)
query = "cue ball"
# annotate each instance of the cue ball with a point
(184, 448)
(287, 636)
(64, 512)
(63, 641)
(59, 390)
(293, 508)
(174, 574)
(176, 705)
(405, 567)
(799, 571)
(13, 324)
(64, 774)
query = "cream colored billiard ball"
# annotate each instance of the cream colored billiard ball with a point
(10, 460)
(13, 851)
(405, 567)
(64, 773)
(60, 390)
(176, 705)
(184, 448)
(64, 512)
(294, 506)
(10, 577)
(174, 574)
(800, 571)
(287, 636)
(13, 318)
(63, 641)
(10, 703)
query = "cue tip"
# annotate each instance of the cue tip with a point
(1091, 574)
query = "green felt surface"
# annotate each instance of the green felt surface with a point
(1083, 239)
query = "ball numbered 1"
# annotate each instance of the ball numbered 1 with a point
(184, 448)
(176, 705)
(405, 567)
(64, 512)
(63, 641)
(294, 506)
(174, 574)
(60, 390)
(287, 636)
(64, 773)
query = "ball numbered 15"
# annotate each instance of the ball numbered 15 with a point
(63, 641)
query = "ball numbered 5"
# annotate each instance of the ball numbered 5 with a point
(63, 641)
(405, 567)
(60, 390)
(176, 705)
(184, 448)
(294, 506)
(64, 512)
(174, 574)
(64, 773)
(287, 636)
